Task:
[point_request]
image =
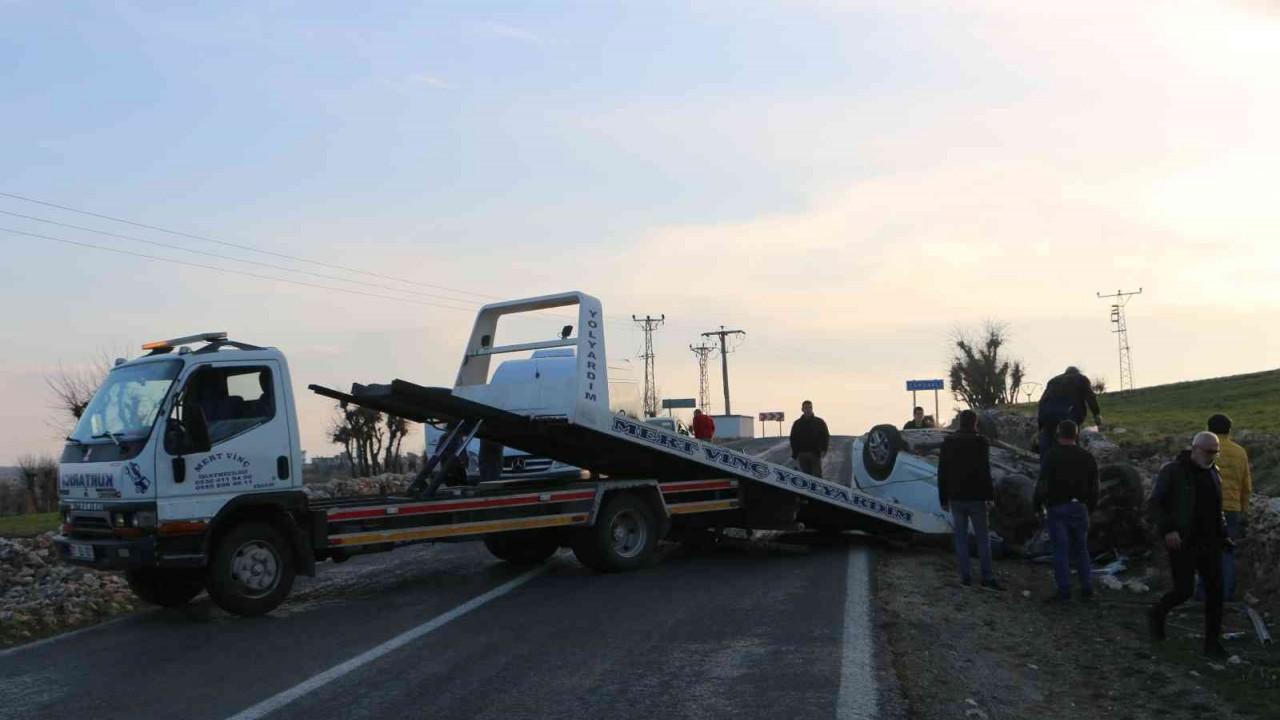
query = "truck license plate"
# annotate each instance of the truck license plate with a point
(81, 552)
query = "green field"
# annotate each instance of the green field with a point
(27, 525)
(1162, 419)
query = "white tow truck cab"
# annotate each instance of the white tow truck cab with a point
(184, 470)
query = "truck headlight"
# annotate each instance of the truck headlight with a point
(118, 519)
(144, 519)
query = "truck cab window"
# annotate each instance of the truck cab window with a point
(233, 400)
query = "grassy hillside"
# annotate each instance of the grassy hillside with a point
(1162, 419)
(1252, 401)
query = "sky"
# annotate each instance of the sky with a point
(852, 184)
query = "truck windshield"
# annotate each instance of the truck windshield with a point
(127, 403)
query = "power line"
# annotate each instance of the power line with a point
(231, 272)
(704, 387)
(724, 360)
(1122, 335)
(650, 385)
(248, 248)
(204, 253)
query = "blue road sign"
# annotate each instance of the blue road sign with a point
(668, 403)
(913, 385)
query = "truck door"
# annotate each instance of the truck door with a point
(242, 407)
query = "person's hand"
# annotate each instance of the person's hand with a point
(1097, 420)
(1173, 540)
(1229, 544)
(991, 504)
(946, 507)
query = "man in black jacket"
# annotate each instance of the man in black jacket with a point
(1186, 507)
(965, 488)
(809, 440)
(1068, 487)
(1065, 397)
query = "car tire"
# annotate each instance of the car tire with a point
(166, 587)
(624, 537)
(252, 569)
(523, 547)
(880, 450)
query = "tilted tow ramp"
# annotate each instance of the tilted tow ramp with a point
(569, 419)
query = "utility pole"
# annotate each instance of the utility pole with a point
(650, 387)
(703, 351)
(1122, 334)
(724, 360)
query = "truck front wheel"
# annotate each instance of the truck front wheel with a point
(624, 537)
(166, 587)
(252, 569)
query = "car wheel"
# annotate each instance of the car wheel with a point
(880, 450)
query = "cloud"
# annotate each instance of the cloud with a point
(431, 81)
(510, 32)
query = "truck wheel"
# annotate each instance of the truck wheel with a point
(523, 547)
(252, 570)
(166, 587)
(624, 537)
(880, 450)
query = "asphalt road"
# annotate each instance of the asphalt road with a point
(741, 630)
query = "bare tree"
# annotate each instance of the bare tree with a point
(73, 387)
(370, 440)
(980, 377)
(40, 482)
(1099, 386)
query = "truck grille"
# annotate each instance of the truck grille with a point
(525, 465)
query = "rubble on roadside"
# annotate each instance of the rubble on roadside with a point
(40, 594)
(384, 484)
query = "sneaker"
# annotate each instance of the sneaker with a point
(1155, 624)
(1214, 650)
(992, 584)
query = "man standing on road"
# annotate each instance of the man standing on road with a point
(965, 488)
(1065, 397)
(704, 428)
(917, 420)
(1237, 486)
(809, 440)
(1068, 487)
(1186, 505)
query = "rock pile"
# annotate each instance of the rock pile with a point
(39, 594)
(385, 484)
(1260, 551)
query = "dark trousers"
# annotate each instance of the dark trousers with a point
(810, 463)
(1069, 530)
(1183, 565)
(962, 513)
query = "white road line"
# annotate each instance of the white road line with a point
(858, 697)
(278, 701)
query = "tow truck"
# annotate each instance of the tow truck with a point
(185, 471)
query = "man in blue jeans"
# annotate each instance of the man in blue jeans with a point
(1068, 487)
(965, 488)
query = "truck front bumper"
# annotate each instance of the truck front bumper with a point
(107, 553)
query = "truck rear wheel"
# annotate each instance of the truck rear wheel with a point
(523, 547)
(624, 536)
(166, 587)
(252, 569)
